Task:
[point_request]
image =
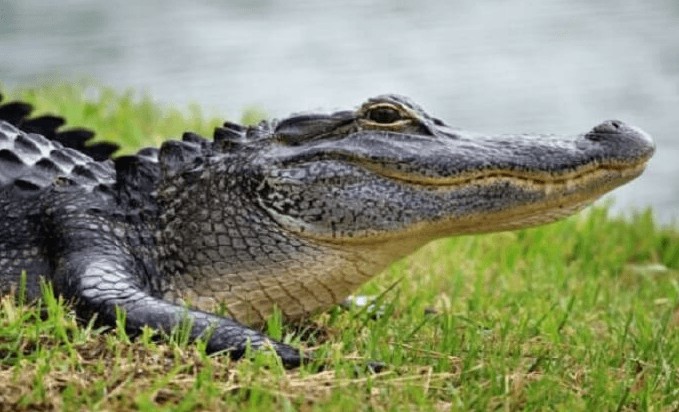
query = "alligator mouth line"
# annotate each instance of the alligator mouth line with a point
(575, 178)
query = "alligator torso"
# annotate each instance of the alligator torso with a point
(293, 214)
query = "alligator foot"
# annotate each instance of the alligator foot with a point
(235, 339)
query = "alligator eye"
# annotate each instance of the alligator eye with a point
(384, 115)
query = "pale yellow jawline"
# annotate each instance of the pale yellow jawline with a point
(551, 208)
(523, 178)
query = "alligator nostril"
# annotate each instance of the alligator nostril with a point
(609, 126)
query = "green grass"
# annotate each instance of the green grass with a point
(577, 315)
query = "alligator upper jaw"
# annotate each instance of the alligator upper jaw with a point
(450, 157)
(454, 159)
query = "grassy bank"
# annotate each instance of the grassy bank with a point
(578, 315)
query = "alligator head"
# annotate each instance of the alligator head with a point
(356, 190)
(389, 171)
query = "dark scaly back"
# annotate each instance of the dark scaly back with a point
(36, 151)
(138, 176)
(17, 113)
(188, 155)
(35, 154)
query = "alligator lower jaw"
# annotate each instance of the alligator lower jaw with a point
(559, 196)
(553, 197)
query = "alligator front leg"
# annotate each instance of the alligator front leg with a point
(95, 269)
(101, 284)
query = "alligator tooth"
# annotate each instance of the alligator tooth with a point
(549, 188)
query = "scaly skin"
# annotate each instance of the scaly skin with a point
(294, 214)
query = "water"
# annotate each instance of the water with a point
(556, 66)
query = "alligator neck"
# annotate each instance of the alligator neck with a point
(220, 251)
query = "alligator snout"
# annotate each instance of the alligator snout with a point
(623, 139)
(615, 129)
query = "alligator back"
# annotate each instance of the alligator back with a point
(45, 170)
(31, 168)
(30, 163)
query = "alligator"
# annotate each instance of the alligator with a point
(293, 214)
